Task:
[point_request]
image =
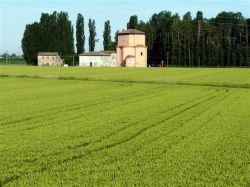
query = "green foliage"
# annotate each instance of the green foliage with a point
(80, 37)
(31, 43)
(92, 35)
(219, 41)
(113, 44)
(128, 127)
(107, 36)
(53, 33)
(133, 22)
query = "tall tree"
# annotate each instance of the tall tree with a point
(133, 22)
(31, 44)
(92, 35)
(65, 42)
(80, 37)
(198, 24)
(107, 36)
(116, 36)
(72, 41)
(114, 43)
(187, 39)
(52, 34)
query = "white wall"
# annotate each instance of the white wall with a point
(98, 61)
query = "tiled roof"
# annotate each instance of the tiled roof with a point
(101, 53)
(48, 54)
(131, 31)
(108, 52)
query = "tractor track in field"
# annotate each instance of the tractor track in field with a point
(175, 129)
(103, 138)
(87, 143)
(84, 144)
(128, 139)
(111, 145)
(76, 157)
(76, 107)
(199, 128)
(108, 146)
(121, 143)
(140, 132)
(182, 83)
(189, 120)
(121, 129)
(55, 110)
(78, 116)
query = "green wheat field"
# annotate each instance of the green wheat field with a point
(72, 126)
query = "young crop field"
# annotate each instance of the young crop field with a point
(124, 127)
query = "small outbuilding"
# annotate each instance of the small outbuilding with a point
(98, 59)
(49, 59)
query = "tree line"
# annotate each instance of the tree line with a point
(55, 33)
(171, 41)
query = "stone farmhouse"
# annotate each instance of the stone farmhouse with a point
(98, 59)
(49, 59)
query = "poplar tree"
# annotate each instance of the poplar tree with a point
(92, 35)
(80, 37)
(107, 36)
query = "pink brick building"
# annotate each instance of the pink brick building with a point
(131, 49)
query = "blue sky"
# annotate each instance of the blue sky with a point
(15, 14)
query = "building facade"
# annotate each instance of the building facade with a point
(49, 59)
(131, 49)
(98, 59)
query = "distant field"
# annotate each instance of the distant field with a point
(12, 61)
(124, 127)
(228, 77)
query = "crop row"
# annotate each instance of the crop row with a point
(122, 134)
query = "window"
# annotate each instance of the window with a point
(47, 57)
(141, 53)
